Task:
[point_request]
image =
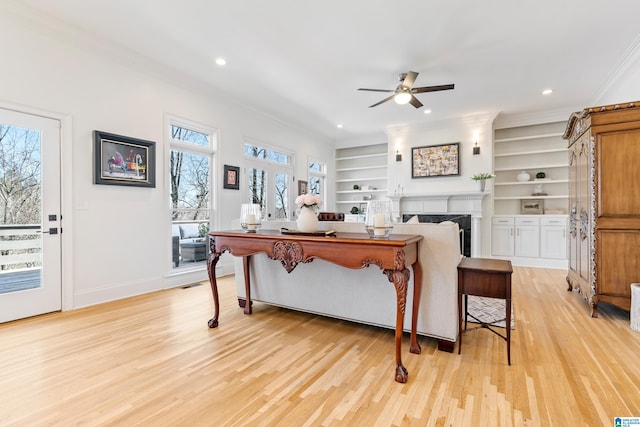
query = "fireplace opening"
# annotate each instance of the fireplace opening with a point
(463, 221)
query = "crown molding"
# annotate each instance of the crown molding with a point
(526, 119)
(631, 56)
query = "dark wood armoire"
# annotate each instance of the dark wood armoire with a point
(604, 203)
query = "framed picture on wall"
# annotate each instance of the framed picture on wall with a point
(231, 177)
(435, 160)
(303, 187)
(531, 206)
(121, 160)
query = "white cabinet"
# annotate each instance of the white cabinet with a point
(553, 238)
(534, 240)
(534, 149)
(502, 232)
(364, 167)
(527, 238)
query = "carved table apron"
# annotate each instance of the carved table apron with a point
(351, 250)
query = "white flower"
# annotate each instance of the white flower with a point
(308, 200)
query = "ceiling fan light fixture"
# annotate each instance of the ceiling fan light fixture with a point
(402, 98)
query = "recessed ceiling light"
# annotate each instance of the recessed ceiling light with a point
(339, 126)
(547, 91)
(427, 111)
(221, 61)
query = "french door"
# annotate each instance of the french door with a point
(30, 218)
(269, 187)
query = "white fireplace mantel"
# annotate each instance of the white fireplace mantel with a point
(464, 203)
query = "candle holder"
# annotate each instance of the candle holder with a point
(379, 219)
(250, 217)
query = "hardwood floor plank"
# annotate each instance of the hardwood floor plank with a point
(152, 360)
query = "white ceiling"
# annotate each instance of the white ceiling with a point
(303, 61)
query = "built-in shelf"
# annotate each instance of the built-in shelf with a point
(533, 167)
(379, 190)
(361, 168)
(360, 165)
(528, 153)
(375, 178)
(533, 148)
(555, 196)
(538, 182)
(351, 202)
(364, 156)
(530, 137)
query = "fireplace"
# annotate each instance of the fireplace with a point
(464, 221)
(446, 206)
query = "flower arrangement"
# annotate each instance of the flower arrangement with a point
(308, 201)
(482, 176)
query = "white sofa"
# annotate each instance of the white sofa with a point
(365, 296)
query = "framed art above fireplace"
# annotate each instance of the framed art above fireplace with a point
(435, 160)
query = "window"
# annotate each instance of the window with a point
(317, 176)
(190, 198)
(269, 177)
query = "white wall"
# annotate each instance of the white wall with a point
(120, 236)
(460, 130)
(624, 85)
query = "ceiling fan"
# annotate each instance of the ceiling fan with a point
(405, 91)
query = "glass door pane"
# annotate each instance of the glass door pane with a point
(281, 194)
(30, 233)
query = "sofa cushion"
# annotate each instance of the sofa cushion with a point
(189, 231)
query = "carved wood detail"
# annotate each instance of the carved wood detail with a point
(290, 254)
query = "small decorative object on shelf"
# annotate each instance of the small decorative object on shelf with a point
(250, 217)
(482, 178)
(541, 175)
(523, 176)
(356, 187)
(379, 219)
(355, 210)
(538, 191)
(307, 213)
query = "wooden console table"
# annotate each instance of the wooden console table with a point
(351, 250)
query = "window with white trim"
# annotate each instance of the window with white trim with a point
(190, 190)
(317, 177)
(269, 177)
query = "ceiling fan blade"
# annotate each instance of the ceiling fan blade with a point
(409, 79)
(378, 90)
(384, 100)
(415, 102)
(432, 88)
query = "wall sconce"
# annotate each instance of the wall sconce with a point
(476, 149)
(398, 156)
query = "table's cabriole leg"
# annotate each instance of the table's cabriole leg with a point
(212, 260)
(400, 278)
(247, 285)
(414, 347)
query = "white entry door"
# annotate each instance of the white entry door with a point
(30, 217)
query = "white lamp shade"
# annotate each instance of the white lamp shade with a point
(402, 98)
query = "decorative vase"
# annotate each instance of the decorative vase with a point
(379, 219)
(523, 176)
(307, 219)
(483, 183)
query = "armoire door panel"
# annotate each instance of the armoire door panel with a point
(618, 261)
(615, 173)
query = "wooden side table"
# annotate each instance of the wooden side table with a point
(485, 278)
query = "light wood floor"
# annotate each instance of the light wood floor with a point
(151, 360)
